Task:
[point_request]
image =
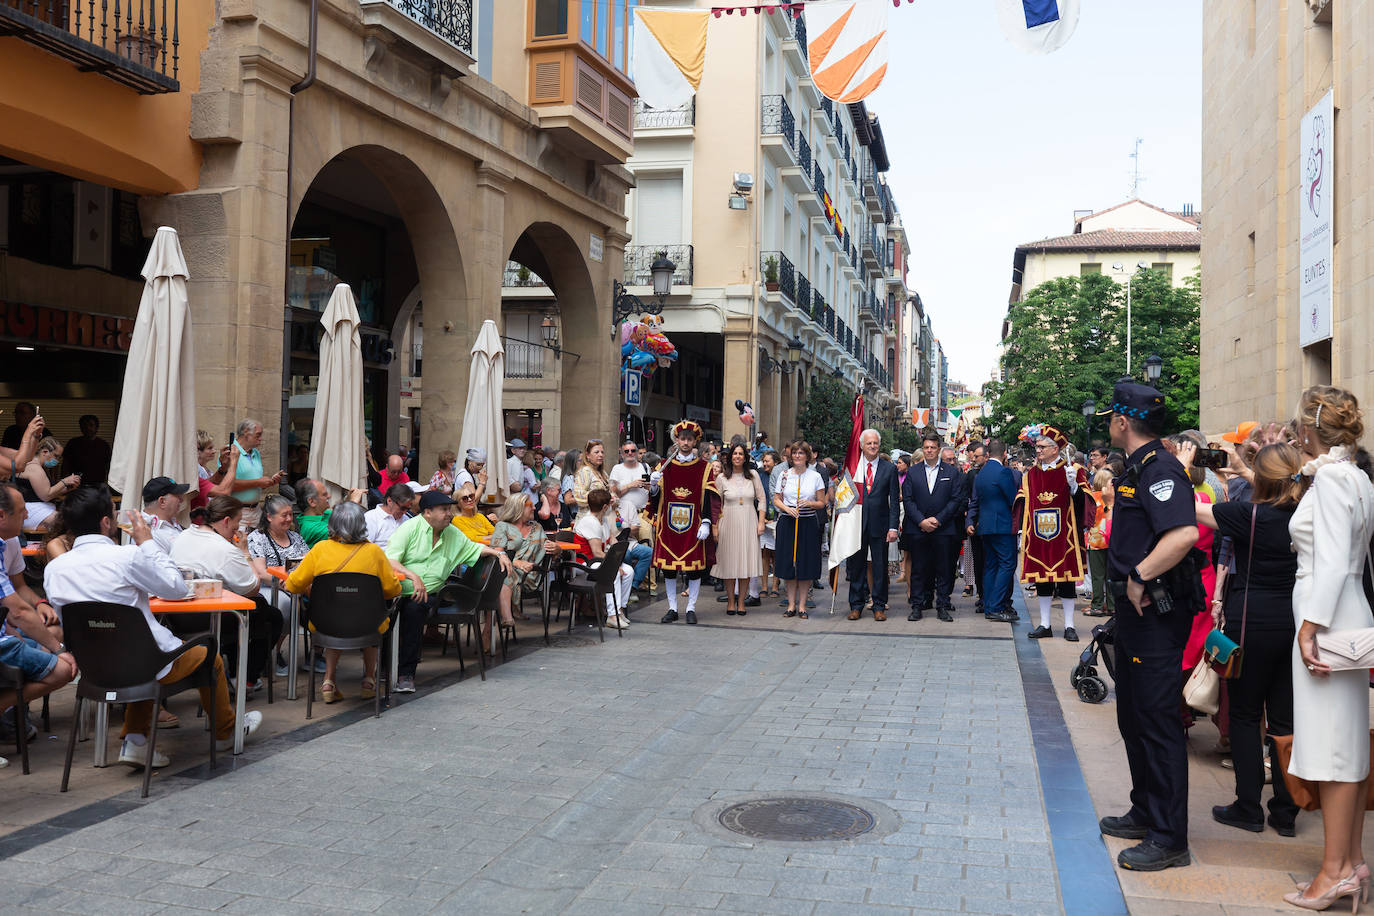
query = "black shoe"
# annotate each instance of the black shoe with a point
(752, 602)
(1011, 616)
(1152, 857)
(730, 612)
(669, 617)
(1227, 814)
(1122, 827)
(1070, 634)
(818, 586)
(719, 586)
(945, 615)
(1040, 633)
(1282, 828)
(722, 599)
(998, 618)
(915, 615)
(692, 617)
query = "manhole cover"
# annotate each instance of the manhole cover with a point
(805, 819)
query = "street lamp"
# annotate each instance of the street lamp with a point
(624, 303)
(1089, 411)
(838, 373)
(1117, 268)
(549, 328)
(795, 346)
(1154, 365)
(768, 365)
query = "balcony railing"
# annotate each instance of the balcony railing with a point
(647, 118)
(803, 154)
(803, 300)
(819, 182)
(518, 276)
(818, 307)
(639, 258)
(134, 42)
(799, 23)
(776, 118)
(523, 359)
(451, 20)
(787, 275)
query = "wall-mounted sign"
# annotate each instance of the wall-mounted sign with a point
(1315, 205)
(634, 386)
(44, 326)
(596, 248)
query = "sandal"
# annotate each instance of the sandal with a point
(167, 719)
(790, 613)
(329, 692)
(803, 615)
(368, 689)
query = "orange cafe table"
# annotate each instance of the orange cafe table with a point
(226, 603)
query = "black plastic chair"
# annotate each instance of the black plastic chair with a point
(543, 592)
(12, 676)
(464, 597)
(346, 610)
(581, 580)
(119, 660)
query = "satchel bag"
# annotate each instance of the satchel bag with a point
(1203, 688)
(1304, 791)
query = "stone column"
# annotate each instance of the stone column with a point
(740, 355)
(590, 406)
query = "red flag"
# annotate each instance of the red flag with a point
(856, 416)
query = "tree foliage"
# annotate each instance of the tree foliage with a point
(824, 419)
(1067, 345)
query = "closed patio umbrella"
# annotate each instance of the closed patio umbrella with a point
(156, 432)
(337, 439)
(483, 423)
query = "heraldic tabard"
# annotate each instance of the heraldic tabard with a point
(1050, 535)
(681, 504)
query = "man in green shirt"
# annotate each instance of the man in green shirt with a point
(425, 551)
(313, 520)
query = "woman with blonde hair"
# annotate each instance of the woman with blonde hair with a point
(40, 486)
(524, 540)
(1331, 531)
(467, 519)
(591, 475)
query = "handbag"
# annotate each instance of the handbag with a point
(1304, 791)
(1348, 650)
(1202, 691)
(1223, 652)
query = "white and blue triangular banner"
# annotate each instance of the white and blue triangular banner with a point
(1038, 26)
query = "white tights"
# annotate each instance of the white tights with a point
(1047, 602)
(693, 589)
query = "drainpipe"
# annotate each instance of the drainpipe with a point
(305, 83)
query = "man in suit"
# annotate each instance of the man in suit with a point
(996, 490)
(978, 456)
(934, 497)
(876, 481)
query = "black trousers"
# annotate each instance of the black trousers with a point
(1149, 681)
(932, 568)
(872, 555)
(977, 543)
(411, 626)
(1262, 693)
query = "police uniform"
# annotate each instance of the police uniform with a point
(1152, 497)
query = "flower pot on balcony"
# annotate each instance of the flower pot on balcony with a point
(771, 285)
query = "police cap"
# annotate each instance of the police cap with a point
(1140, 402)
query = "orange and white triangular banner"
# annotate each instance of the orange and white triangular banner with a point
(920, 416)
(848, 46)
(670, 55)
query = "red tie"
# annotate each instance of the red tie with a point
(868, 479)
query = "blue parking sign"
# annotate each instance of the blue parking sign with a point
(634, 382)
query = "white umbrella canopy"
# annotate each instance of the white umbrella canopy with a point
(483, 423)
(156, 432)
(337, 439)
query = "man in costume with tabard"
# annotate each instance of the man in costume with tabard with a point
(1050, 506)
(684, 487)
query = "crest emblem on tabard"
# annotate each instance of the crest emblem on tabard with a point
(1047, 524)
(680, 517)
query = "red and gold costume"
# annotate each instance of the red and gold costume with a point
(1051, 520)
(683, 503)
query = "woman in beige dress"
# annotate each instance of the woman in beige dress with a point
(743, 518)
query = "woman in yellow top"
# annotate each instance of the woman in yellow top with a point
(467, 519)
(346, 550)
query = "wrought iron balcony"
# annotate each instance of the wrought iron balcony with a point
(818, 307)
(133, 42)
(776, 118)
(803, 300)
(524, 359)
(803, 154)
(647, 118)
(639, 258)
(518, 276)
(787, 275)
(451, 20)
(819, 183)
(799, 23)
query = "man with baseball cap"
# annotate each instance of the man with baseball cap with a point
(1154, 579)
(425, 551)
(162, 502)
(515, 464)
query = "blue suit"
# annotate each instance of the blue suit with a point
(932, 553)
(881, 514)
(995, 490)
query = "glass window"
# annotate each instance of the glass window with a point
(550, 18)
(603, 17)
(618, 34)
(588, 32)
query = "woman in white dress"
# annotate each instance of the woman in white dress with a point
(1331, 530)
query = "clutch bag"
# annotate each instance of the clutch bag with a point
(1223, 653)
(1347, 650)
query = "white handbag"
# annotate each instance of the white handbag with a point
(1203, 689)
(1347, 650)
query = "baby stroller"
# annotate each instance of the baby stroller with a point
(1084, 678)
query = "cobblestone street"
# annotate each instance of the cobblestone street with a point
(587, 778)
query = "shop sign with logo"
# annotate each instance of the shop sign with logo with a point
(43, 326)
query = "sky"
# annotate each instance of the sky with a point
(991, 147)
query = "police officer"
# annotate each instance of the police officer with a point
(1152, 574)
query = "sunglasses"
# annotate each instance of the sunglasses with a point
(468, 497)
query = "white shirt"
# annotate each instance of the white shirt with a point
(212, 557)
(461, 478)
(164, 533)
(632, 502)
(515, 469)
(98, 569)
(591, 526)
(14, 566)
(380, 525)
(809, 483)
(932, 474)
